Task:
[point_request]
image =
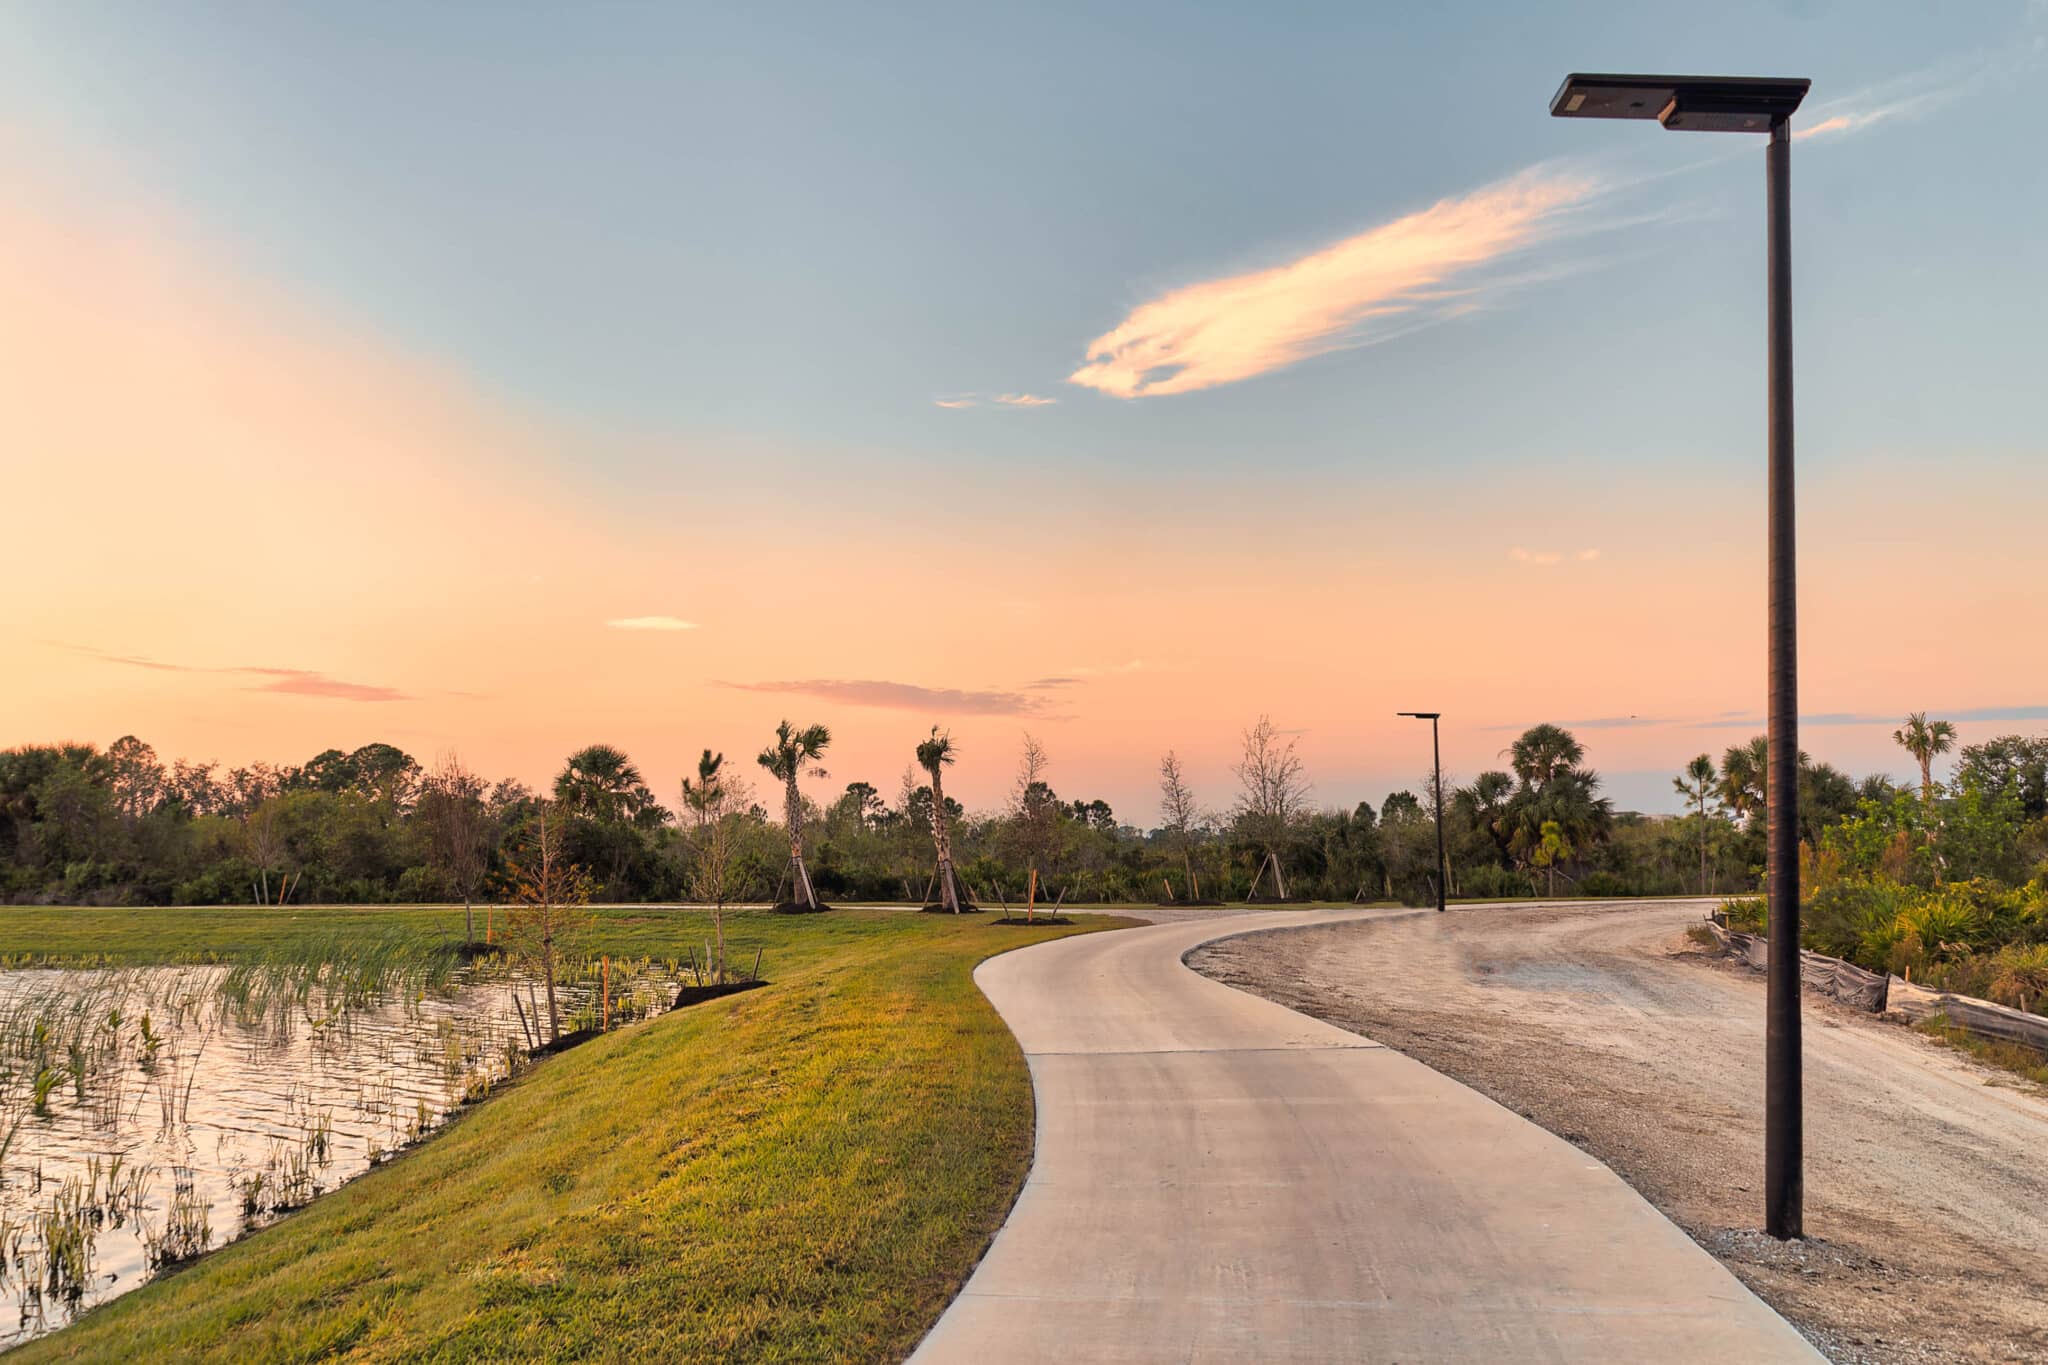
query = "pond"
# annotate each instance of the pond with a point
(150, 1114)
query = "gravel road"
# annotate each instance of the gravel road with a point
(1926, 1176)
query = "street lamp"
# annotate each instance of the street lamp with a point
(1437, 757)
(1755, 105)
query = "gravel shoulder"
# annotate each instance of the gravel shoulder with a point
(1926, 1184)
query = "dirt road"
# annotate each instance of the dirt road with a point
(1926, 1177)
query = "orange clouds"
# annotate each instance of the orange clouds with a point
(1226, 330)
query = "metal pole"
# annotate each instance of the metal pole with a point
(1436, 751)
(1784, 1121)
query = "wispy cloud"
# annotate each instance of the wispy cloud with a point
(297, 682)
(651, 623)
(1007, 400)
(1358, 291)
(1916, 94)
(1591, 723)
(898, 696)
(1545, 558)
(1047, 684)
(1832, 718)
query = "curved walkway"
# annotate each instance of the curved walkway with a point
(1219, 1178)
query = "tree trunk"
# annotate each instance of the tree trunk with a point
(948, 893)
(718, 928)
(468, 922)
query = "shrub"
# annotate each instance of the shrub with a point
(1746, 914)
(1856, 919)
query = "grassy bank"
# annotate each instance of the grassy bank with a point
(804, 1172)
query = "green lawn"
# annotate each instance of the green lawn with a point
(803, 1172)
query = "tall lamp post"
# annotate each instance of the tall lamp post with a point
(1437, 761)
(1763, 105)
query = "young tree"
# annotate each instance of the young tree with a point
(1034, 810)
(698, 795)
(795, 754)
(1924, 739)
(933, 755)
(719, 803)
(450, 806)
(1696, 785)
(1179, 814)
(1272, 793)
(550, 896)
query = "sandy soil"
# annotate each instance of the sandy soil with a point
(1927, 1173)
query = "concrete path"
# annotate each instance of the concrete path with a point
(1218, 1178)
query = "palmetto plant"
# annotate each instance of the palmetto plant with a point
(1924, 739)
(933, 755)
(795, 754)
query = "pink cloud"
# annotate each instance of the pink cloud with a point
(1226, 330)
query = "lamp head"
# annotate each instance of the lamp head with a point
(1703, 104)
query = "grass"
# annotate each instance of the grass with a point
(802, 1172)
(2021, 1061)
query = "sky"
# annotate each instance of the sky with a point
(498, 381)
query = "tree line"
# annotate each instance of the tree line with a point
(120, 826)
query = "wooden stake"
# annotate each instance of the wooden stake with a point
(1031, 896)
(757, 964)
(605, 1020)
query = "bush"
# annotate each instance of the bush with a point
(1856, 919)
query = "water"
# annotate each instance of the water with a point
(181, 1106)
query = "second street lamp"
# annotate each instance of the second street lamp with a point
(1764, 105)
(1436, 754)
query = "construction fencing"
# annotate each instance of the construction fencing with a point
(1879, 993)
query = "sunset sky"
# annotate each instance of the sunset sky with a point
(503, 382)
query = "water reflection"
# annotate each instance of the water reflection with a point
(148, 1114)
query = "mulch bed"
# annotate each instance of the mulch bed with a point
(800, 908)
(697, 995)
(1034, 920)
(966, 908)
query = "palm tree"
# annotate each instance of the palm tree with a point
(1543, 751)
(1745, 778)
(933, 755)
(1486, 803)
(601, 785)
(786, 759)
(1924, 739)
(1696, 785)
(701, 796)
